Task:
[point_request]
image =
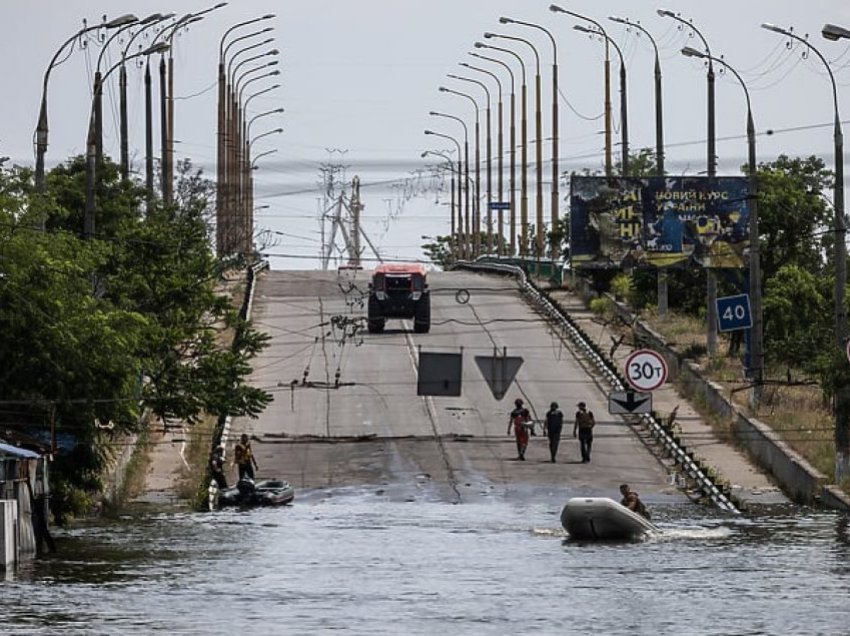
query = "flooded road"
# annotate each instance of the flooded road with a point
(363, 564)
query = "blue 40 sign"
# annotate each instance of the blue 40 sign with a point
(733, 313)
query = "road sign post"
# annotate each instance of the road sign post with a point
(646, 370)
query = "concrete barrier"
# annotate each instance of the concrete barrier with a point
(8, 532)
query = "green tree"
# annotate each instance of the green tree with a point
(95, 331)
(793, 214)
(643, 163)
(163, 268)
(797, 303)
(439, 251)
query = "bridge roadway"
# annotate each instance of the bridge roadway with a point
(373, 432)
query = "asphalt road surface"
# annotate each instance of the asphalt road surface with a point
(346, 413)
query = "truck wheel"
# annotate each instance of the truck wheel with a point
(422, 319)
(421, 327)
(375, 326)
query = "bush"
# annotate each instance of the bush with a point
(622, 287)
(602, 307)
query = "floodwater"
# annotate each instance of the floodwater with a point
(359, 563)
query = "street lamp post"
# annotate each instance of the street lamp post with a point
(247, 229)
(512, 180)
(538, 121)
(842, 392)
(254, 166)
(241, 193)
(41, 130)
(463, 227)
(661, 272)
(756, 335)
(248, 199)
(711, 278)
(149, 22)
(523, 245)
(624, 118)
(489, 160)
(236, 140)
(91, 145)
(659, 119)
(168, 153)
(222, 185)
(448, 160)
(149, 177)
(712, 153)
(556, 175)
(232, 139)
(244, 133)
(261, 92)
(167, 35)
(500, 143)
(608, 155)
(512, 184)
(476, 213)
(97, 88)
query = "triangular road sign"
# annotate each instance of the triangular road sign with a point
(499, 372)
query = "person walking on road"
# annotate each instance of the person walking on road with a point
(553, 425)
(518, 419)
(584, 423)
(243, 457)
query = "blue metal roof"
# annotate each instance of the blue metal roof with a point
(17, 451)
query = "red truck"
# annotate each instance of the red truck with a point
(399, 290)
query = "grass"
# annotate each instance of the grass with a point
(197, 455)
(797, 413)
(134, 474)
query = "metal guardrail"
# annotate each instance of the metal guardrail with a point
(607, 369)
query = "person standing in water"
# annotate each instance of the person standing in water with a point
(243, 457)
(631, 501)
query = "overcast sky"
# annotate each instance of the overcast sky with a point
(359, 78)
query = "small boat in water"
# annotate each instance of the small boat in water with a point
(249, 494)
(600, 518)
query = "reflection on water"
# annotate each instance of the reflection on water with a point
(366, 565)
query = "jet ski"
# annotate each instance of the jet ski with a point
(250, 494)
(600, 518)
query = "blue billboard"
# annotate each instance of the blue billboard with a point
(621, 222)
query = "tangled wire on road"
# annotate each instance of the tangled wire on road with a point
(348, 329)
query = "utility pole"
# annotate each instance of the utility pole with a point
(356, 207)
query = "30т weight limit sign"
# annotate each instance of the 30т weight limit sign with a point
(646, 370)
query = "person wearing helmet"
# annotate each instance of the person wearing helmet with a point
(584, 424)
(518, 419)
(553, 425)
